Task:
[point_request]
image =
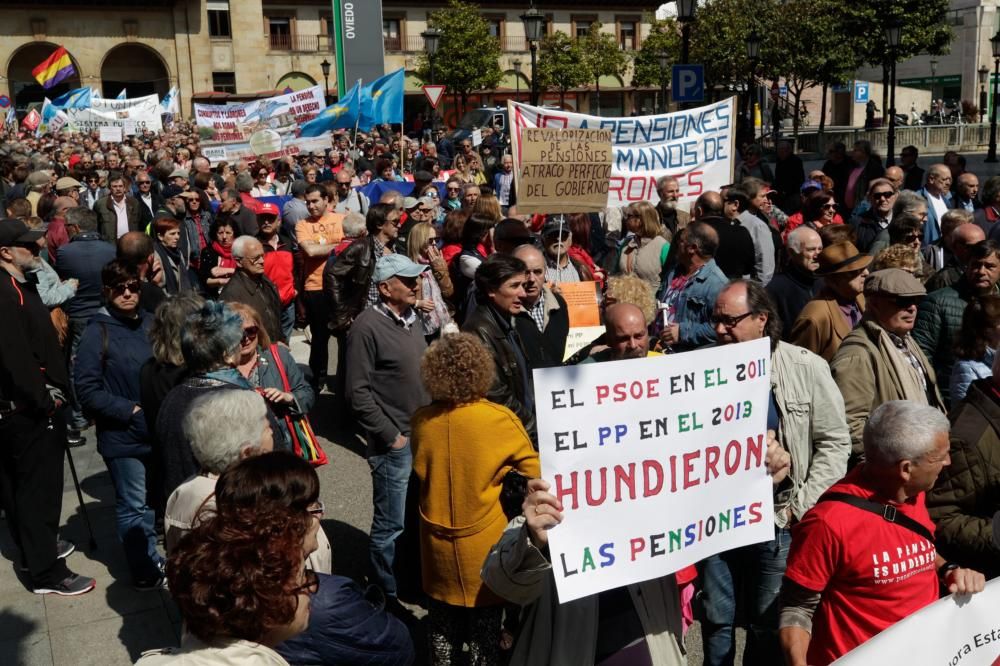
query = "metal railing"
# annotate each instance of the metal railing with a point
(924, 137)
(415, 44)
(300, 43)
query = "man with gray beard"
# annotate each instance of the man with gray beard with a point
(669, 191)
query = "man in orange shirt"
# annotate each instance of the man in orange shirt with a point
(317, 235)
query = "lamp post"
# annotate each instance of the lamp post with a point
(325, 65)
(533, 21)
(663, 58)
(685, 15)
(516, 63)
(934, 64)
(432, 39)
(753, 55)
(893, 35)
(991, 156)
(983, 72)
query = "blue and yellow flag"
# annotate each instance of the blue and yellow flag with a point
(78, 98)
(382, 100)
(341, 114)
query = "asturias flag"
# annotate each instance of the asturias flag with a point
(121, 95)
(54, 69)
(382, 100)
(78, 98)
(341, 114)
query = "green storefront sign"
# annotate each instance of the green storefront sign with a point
(927, 82)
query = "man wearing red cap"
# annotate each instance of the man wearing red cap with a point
(281, 265)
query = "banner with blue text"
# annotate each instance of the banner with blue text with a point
(658, 462)
(696, 146)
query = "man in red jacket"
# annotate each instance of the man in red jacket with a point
(280, 262)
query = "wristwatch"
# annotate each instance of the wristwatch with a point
(945, 568)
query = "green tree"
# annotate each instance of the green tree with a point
(561, 64)
(718, 39)
(468, 57)
(664, 37)
(602, 57)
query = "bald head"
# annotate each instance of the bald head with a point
(63, 204)
(708, 204)
(625, 331)
(895, 175)
(534, 277)
(963, 238)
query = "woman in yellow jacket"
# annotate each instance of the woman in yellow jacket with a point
(463, 446)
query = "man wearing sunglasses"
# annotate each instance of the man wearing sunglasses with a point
(349, 200)
(869, 224)
(806, 411)
(880, 361)
(33, 389)
(93, 191)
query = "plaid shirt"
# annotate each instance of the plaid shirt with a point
(372, 297)
(538, 313)
(908, 354)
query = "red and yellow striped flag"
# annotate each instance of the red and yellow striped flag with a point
(54, 69)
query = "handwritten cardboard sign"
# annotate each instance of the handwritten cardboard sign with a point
(954, 630)
(658, 462)
(584, 315)
(562, 170)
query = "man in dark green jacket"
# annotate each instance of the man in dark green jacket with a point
(940, 316)
(967, 494)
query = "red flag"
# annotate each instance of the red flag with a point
(31, 120)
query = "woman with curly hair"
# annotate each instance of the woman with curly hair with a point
(463, 447)
(976, 345)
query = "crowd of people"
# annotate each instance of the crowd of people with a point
(151, 295)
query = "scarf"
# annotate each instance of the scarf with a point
(432, 321)
(225, 255)
(175, 268)
(910, 380)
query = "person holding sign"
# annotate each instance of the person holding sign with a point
(864, 558)
(807, 412)
(547, 309)
(634, 624)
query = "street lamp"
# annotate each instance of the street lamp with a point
(753, 55)
(533, 21)
(934, 64)
(432, 39)
(663, 58)
(685, 15)
(983, 72)
(325, 65)
(516, 63)
(893, 35)
(991, 156)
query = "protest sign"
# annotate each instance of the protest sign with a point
(696, 146)
(950, 632)
(562, 170)
(110, 134)
(658, 462)
(477, 137)
(584, 315)
(133, 116)
(262, 128)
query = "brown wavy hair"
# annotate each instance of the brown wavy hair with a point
(234, 574)
(981, 315)
(457, 369)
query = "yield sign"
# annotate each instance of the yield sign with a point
(434, 94)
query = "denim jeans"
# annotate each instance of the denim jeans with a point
(390, 475)
(744, 583)
(288, 320)
(135, 517)
(75, 417)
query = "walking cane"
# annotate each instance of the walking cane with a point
(79, 495)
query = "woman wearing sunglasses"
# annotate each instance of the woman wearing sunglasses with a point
(258, 365)
(114, 347)
(435, 287)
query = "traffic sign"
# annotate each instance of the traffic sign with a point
(774, 91)
(783, 91)
(687, 83)
(4, 101)
(860, 92)
(434, 94)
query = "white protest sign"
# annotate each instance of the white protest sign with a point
(696, 146)
(132, 115)
(658, 462)
(477, 137)
(952, 631)
(215, 154)
(110, 134)
(262, 128)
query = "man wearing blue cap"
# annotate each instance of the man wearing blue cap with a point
(383, 386)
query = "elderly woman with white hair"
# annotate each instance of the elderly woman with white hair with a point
(864, 557)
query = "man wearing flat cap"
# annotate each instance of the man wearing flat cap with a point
(827, 319)
(879, 361)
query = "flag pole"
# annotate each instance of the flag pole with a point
(357, 120)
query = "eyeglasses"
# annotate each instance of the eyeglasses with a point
(133, 286)
(432, 194)
(453, 189)
(912, 237)
(259, 259)
(316, 509)
(144, 182)
(829, 206)
(882, 195)
(906, 302)
(727, 322)
(310, 586)
(249, 333)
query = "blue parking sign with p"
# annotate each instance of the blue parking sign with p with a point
(860, 92)
(687, 82)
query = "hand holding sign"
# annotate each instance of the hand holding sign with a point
(777, 459)
(542, 512)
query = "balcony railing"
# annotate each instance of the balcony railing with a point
(415, 44)
(300, 43)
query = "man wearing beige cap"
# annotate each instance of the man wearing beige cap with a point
(879, 361)
(829, 317)
(38, 183)
(69, 187)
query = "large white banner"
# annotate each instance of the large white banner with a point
(658, 462)
(133, 116)
(263, 127)
(954, 631)
(696, 146)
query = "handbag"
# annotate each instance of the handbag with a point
(304, 442)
